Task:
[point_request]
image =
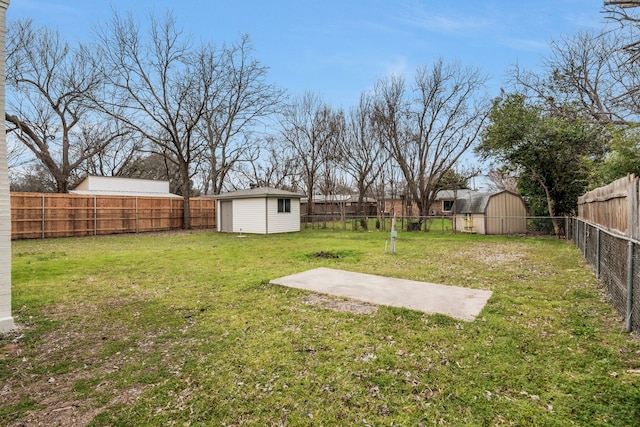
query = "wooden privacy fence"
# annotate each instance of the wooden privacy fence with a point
(43, 215)
(614, 206)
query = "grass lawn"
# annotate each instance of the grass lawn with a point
(184, 329)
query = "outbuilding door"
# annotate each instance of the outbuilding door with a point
(226, 216)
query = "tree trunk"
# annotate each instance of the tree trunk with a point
(552, 211)
(186, 194)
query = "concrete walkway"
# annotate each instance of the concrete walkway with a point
(454, 301)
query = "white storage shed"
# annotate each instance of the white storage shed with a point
(261, 210)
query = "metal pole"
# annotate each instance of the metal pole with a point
(629, 284)
(394, 235)
(584, 241)
(598, 253)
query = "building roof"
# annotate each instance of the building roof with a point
(338, 198)
(258, 192)
(473, 203)
(453, 194)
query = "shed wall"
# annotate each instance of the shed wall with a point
(506, 214)
(477, 221)
(283, 222)
(249, 216)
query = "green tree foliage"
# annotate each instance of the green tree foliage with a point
(452, 179)
(623, 157)
(552, 155)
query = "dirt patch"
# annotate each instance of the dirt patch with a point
(339, 304)
(326, 255)
(494, 255)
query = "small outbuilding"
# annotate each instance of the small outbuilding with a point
(500, 212)
(261, 210)
(116, 186)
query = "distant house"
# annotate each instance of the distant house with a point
(403, 206)
(443, 203)
(500, 212)
(117, 186)
(400, 205)
(261, 210)
(337, 205)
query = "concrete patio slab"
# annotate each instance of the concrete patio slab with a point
(460, 303)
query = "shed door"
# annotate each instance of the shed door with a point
(226, 216)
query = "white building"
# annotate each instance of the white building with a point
(117, 186)
(260, 210)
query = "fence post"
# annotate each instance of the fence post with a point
(43, 212)
(629, 284)
(598, 252)
(584, 240)
(137, 226)
(95, 216)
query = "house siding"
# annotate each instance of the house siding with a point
(283, 222)
(6, 320)
(249, 216)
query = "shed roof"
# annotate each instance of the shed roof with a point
(474, 202)
(259, 192)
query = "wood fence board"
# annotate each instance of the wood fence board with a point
(614, 206)
(42, 215)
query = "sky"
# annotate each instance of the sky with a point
(340, 48)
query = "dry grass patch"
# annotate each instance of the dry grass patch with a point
(340, 304)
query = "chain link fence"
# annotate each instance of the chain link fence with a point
(616, 260)
(476, 224)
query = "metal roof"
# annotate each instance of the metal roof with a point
(259, 192)
(473, 203)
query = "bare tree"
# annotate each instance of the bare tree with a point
(241, 99)
(361, 149)
(158, 85)
(503, 179)
(114, 159)
(429, 129)
(276, 167)
(47, 81)
(16, 154)
(309, 126)
(586, 72)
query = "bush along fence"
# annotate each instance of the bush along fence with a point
(616, 260)
(44, 215)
